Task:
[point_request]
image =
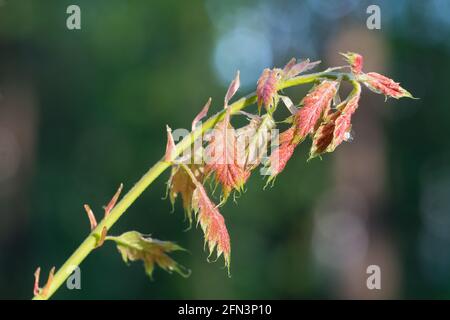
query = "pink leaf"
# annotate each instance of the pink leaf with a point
(289, 65)
(170, 147)
(343, 121)
(381, 84)
(355, 60)
(336, 126)
(293, 69)
(36, 289)
(314, 104)
(281, 155)
(212, 224)
(211, 221)
(113, 200)
(267, 87)
(232, 89)
(223, 158)
(201, 114)
(322, 138)
(91, 216)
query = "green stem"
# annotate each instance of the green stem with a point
(90, 243)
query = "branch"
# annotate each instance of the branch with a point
(91, 241)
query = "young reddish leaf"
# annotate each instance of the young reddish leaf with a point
(267, 87)
(355, 60)
(113, 201)
(281, 155)
(91, 216)
(211, 221)
(201, 114)
(314, 104)
(170, 146)
(336, 126)
(36, 289)
(343, 121)
(134, 246)
(223, 159)
(322, 138)
(180, 182)
(212, 224)
(289, 65)
(375, 81)
(383, 85)
(287, 136)
(232, 89)
(293, 68)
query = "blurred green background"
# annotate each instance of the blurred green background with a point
(83, 110)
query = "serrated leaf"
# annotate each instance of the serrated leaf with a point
(212, 224)
(293, 68)
(314, 104)
(343, 121)
(336, 126)
(210, 220)
(222, 158)
(323, 137)
(267, 84)
(267, 87)
(384, 85)
(281, 155)
(135, 246)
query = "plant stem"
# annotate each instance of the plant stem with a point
(90, 243)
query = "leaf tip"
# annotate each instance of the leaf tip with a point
(91, 216)
(36, 289)
(201, 114)
(170, 146)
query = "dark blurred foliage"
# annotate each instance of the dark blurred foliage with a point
(100, 99)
